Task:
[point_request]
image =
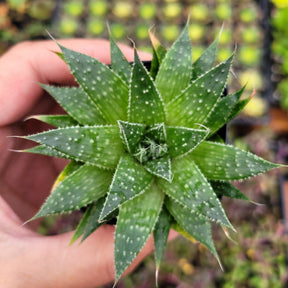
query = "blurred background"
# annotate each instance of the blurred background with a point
(259, 31)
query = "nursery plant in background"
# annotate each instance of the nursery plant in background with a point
(280, 48)
(144, 146)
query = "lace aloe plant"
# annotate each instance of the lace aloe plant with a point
(144, 146)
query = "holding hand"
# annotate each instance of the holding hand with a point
(28, 259)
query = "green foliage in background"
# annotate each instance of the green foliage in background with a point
(280, 49)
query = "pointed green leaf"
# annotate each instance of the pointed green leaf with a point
(224, 162)
(160, 233)
(119, 63)
(195, 104)
(94, 223)
(154, 66)
(135, 224)
(221, 112)
(85, 185)
(159, 53)
(56, 120)
(105, 88)
(82, 225)
(192, 190)
(46, 150)
(181, 140)
(131, 134)
(206, 61)
(195, 225)
(160, 167)
(224, 188)
(70, 168)
(216, 137)
(145, 103)
(96, 145)
(158, 48)
(238, 108)
(137, 180)
(89, 222)
(175, 226)
(169, 80)
(59, 54)
(77, 104)
(85, 221)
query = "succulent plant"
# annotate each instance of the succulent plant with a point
(41, 10)
(172, 10)
(98, 7)
(199, 12)
(144, 146)
(68, 26)
(74, 8)
(223, 11)
(197, 32)
(250, 35)
(147, 11)
(123, 9)
(170, 32)
(95, 26)
(142, 31)
(249, 55)
(118, 30)
(248, 14)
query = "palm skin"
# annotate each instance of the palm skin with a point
(17, 169)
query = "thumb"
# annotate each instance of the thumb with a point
(85, 265)
(88, 264)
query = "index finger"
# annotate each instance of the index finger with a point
(29, 63)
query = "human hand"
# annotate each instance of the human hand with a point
(28, 259)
